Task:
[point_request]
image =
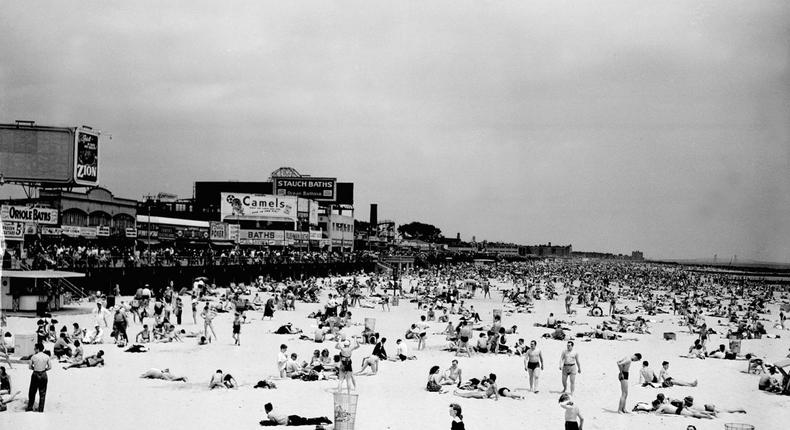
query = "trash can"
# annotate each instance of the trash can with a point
(735, 346)
(670, 335)
(345, 411)
(738, 426)
(42, 308)
(24, 344)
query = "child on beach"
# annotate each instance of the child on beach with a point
(573, 417)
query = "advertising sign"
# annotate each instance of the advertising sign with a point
(31, 228)
(70, 230)
(103, 231)
(29, 214)
(131, 232)
(192, 233)
(37, 154)
(296, 237)
(323, 189)
(260, 207)
(86, 157)
(51, 231)
(316, 235)
(313, 217)
(13, 230)
(233, 232)
(218, 230)
(260, 237)
(88, 231)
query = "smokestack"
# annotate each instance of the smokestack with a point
(458, 237)
(374, 215)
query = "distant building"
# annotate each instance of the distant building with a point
(637, 256)
(548, 250)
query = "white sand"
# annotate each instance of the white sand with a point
(114, 396)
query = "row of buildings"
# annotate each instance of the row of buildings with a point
(289, 209)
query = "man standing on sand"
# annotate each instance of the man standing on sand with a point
(39, 364)
(569, 366)
(533, 364)
(623, 366)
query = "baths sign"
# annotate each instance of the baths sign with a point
(323, 189)
(28, 214)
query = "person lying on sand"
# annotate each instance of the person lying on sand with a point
(95, 360)
(688, 402)
(670, 409)
(163, 374)
(275, 418)
(505, 392)
(488, 389)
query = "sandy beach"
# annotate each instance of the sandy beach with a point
(395, 398)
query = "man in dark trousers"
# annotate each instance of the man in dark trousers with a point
(39, 364)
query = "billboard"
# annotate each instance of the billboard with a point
(257, 207)
(49, 155)
(86, 157)
(29, 214)
(322, 189)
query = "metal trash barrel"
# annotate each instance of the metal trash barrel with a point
(738, 426)
(345, 410)
(735, 346)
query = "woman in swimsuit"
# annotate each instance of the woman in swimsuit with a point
(533, 364)
(433, 380)
(346, 370)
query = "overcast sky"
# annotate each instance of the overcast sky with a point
(609, 125)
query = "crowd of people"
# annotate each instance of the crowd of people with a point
(88, 256)
(443, 296)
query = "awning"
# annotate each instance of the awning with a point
(147, 241)
(266, 218)
(41, 274)
(223, 243)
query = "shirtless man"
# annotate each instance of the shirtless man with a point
(144, 336)
(570, 366)
(453, 375)
(533, 364)
(624, 366)
(647, 377)
(491, 390)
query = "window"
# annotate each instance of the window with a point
(99, 218)
(74, 217)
